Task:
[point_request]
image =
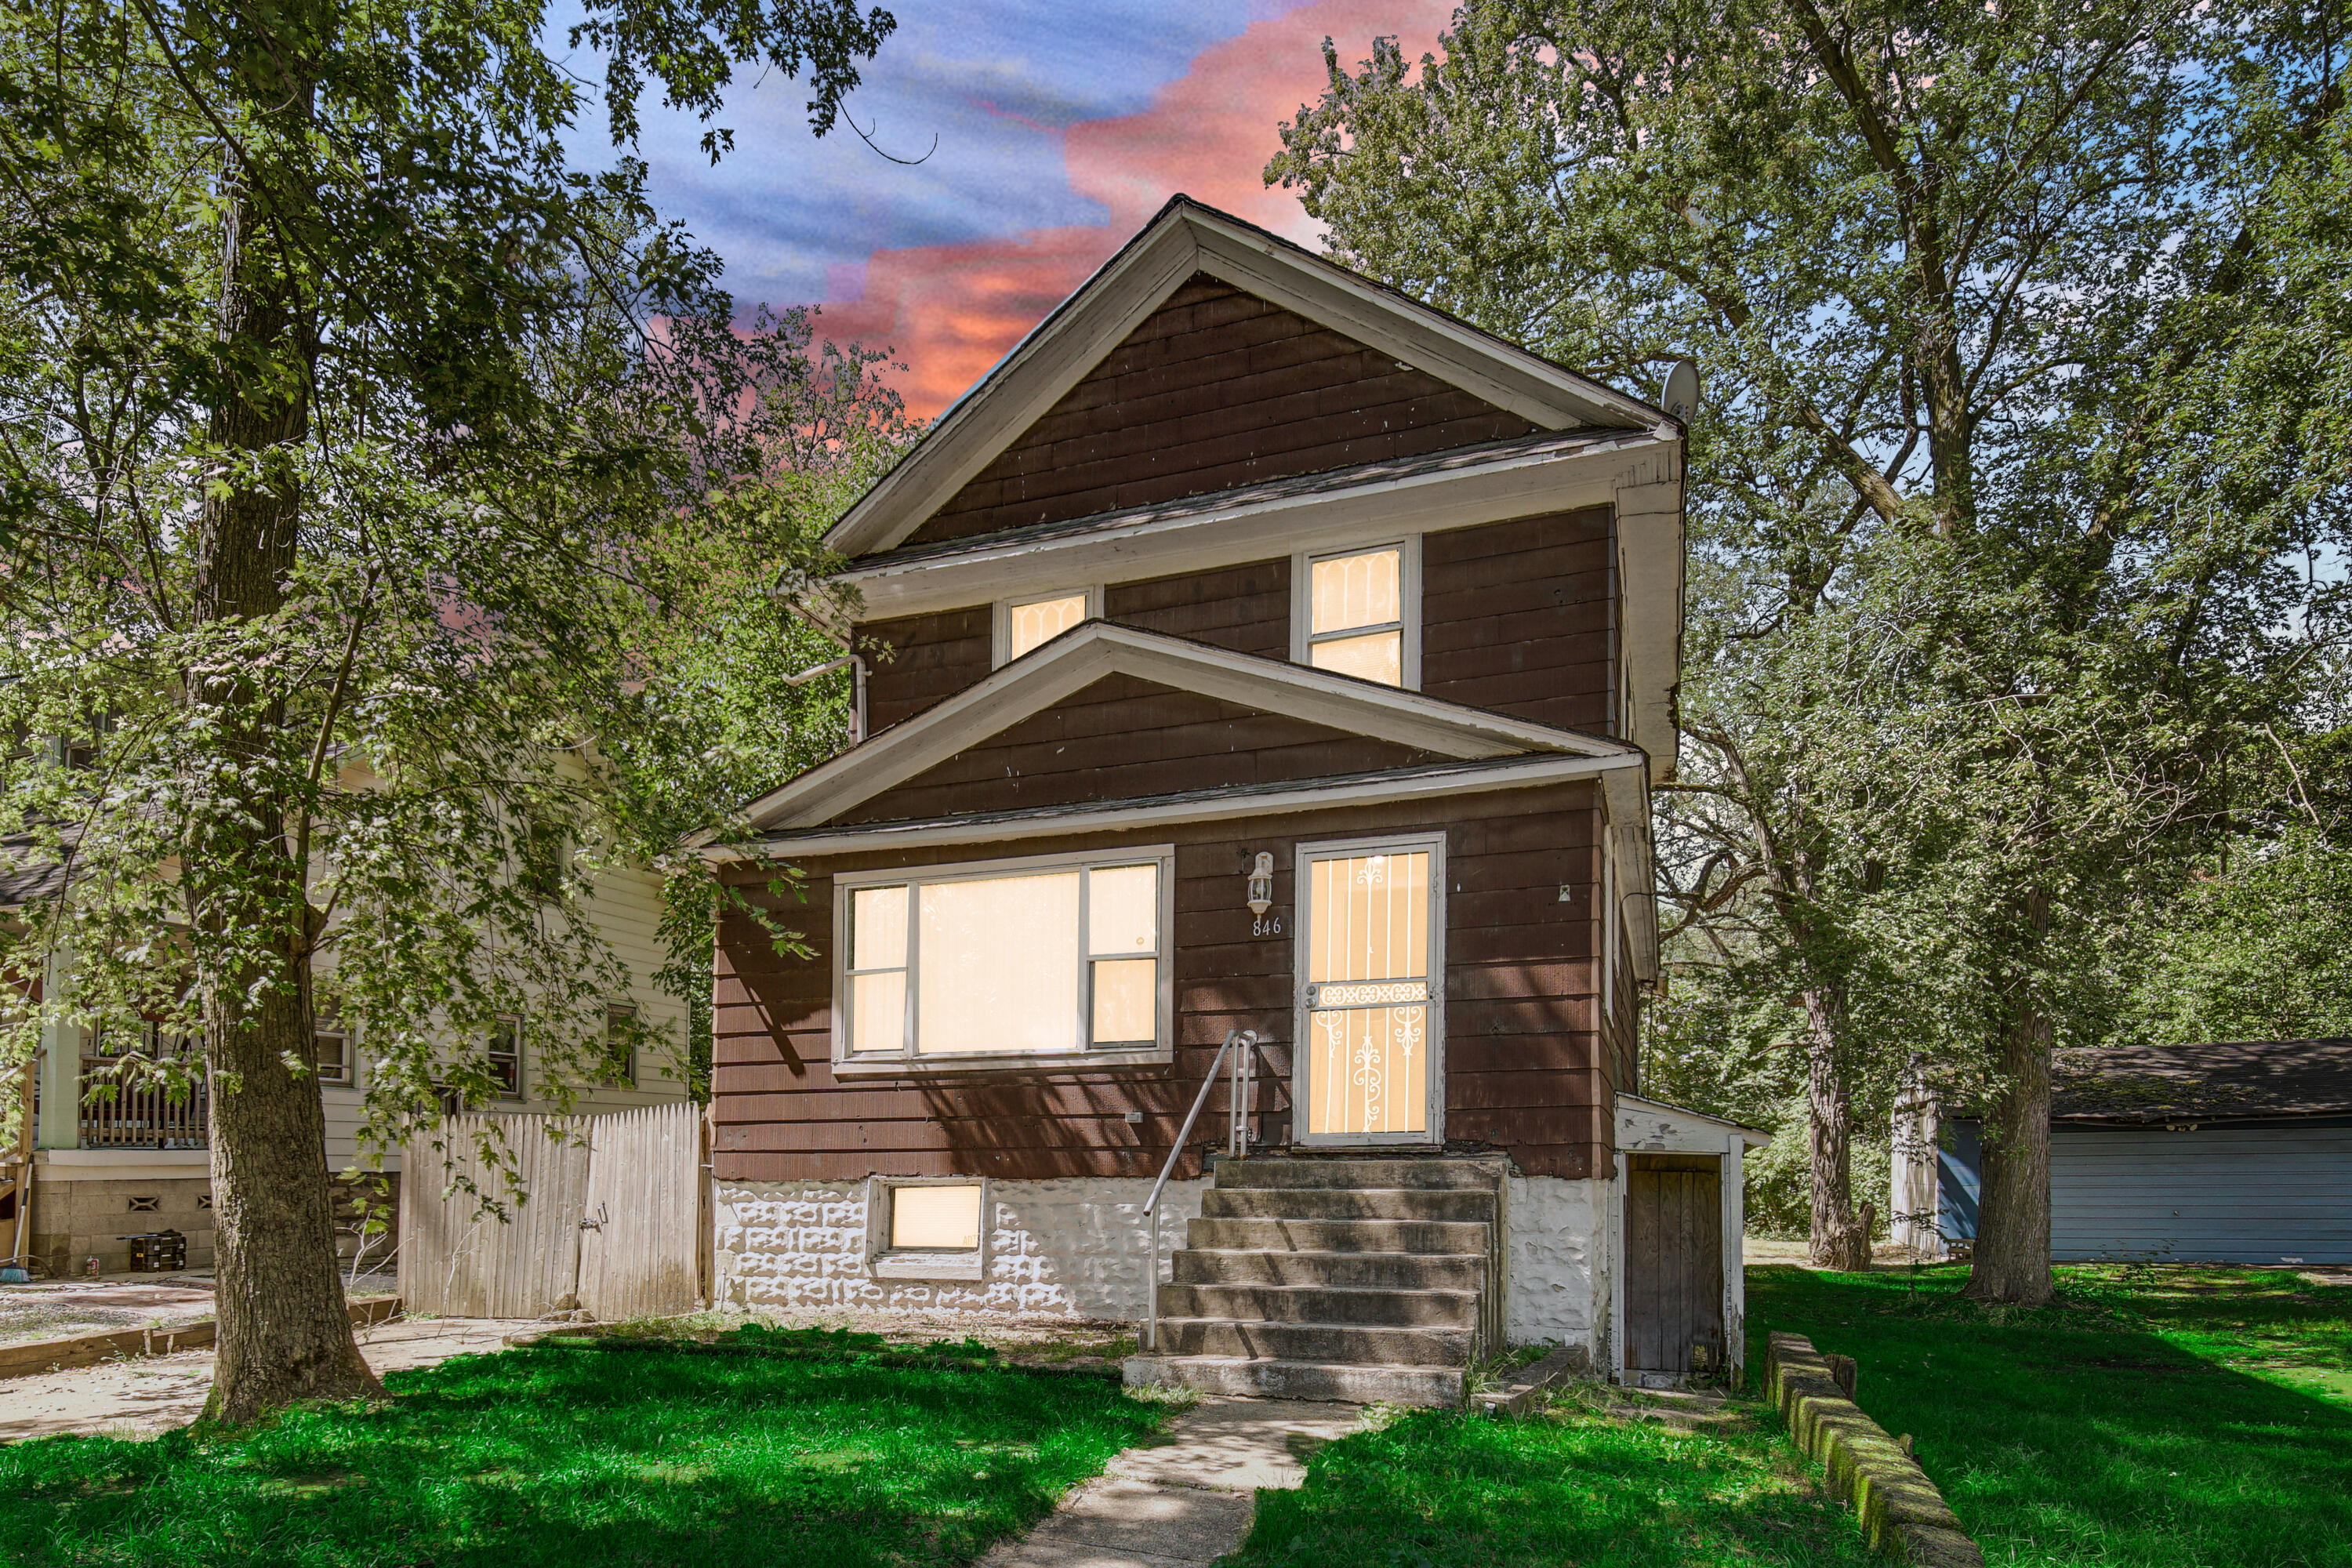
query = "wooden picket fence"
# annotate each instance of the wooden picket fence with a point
(609, 1216)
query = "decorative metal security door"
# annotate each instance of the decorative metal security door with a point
(1371, 947)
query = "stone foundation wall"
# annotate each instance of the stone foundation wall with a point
(1554, 1265)
(81, 1219)
(1065, 1249)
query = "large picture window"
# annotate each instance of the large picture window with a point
(1061, 956)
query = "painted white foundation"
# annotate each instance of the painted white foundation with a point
(1555, 1260)
(1075, 1248)
(1065, 1249)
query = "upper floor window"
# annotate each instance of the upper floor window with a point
(504, 1057)
(1026, 624)
(1046, 957)
(331, 1050)
(1358, 612)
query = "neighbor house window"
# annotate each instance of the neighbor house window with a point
(1357, 615)
(926, 1228)
(1024, 624)
(620, 1063)
(1032, 958)
(506, 1058)
(331, 1051)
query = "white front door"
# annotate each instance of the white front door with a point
(1371, 1026)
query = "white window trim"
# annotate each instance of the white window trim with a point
(883, 1262)
(1302, 921)
(1162, 1048)
(1000, 625)
(1302, 601)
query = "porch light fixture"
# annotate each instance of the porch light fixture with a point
(1261, 884)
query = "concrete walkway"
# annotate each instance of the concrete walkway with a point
(1187, 1499)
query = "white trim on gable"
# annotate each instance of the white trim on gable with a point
(1096, 649)
(1378, 789)
(1186, 239)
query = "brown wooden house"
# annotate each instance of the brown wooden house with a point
(1253, 655)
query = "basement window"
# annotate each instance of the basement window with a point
(1050, 956)
(926, 1228)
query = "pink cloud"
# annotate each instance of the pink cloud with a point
(950, 312)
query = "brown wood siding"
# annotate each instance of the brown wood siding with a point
(1122, 738)
(1216, 388)
(1243, 608)
(917, 661)
(1525, 1068)
(1516, 617)
(1520, 617)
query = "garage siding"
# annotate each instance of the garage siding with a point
(2246, 1194)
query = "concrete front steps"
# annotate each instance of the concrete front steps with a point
(1367, 1281)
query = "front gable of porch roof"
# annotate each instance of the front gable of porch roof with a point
(1095, 651)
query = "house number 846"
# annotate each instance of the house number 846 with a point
(1266, 925)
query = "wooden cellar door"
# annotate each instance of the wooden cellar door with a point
(1674, 1263)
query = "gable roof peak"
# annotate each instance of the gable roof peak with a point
(1184, 239)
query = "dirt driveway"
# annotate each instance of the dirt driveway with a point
(146, 1396)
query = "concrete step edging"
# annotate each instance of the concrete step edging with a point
(1900, 1508)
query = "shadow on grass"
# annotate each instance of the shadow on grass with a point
(2100, 1430)
(580, 1458)
(1436, 1489)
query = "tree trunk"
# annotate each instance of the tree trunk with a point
(2012, 1260)
(1840, 1237)
(285, 1333)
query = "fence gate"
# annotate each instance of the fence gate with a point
(609, 1216)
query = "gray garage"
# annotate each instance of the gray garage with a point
(2235, 1152)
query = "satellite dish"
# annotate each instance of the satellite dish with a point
(1680, 397)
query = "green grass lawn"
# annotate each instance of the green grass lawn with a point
(1571, 1486)
(2175, 1416)
(580, 1459)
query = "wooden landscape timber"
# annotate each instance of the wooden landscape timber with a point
(88, 1350)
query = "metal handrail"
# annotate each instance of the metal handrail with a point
(1236, 1136)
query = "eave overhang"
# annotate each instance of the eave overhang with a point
(1429, 782)
(1490, 483)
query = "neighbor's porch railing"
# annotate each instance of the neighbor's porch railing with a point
(1240, 1043)
(140, 1116)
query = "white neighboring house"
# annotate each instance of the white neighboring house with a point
(106, 1171)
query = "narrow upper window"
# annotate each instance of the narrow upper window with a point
(331, 1051)
(506, 1058)
(1358, 617)
(1026, 624)
(620, 1064)
(1061, 957)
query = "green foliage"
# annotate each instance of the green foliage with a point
(2258, 949)
(401, 522)
(2017, 444)
(1438, 1490)
(2152, 1416)
(563, 1458)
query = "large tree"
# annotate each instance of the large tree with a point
(1990, 576)
(357, 450)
